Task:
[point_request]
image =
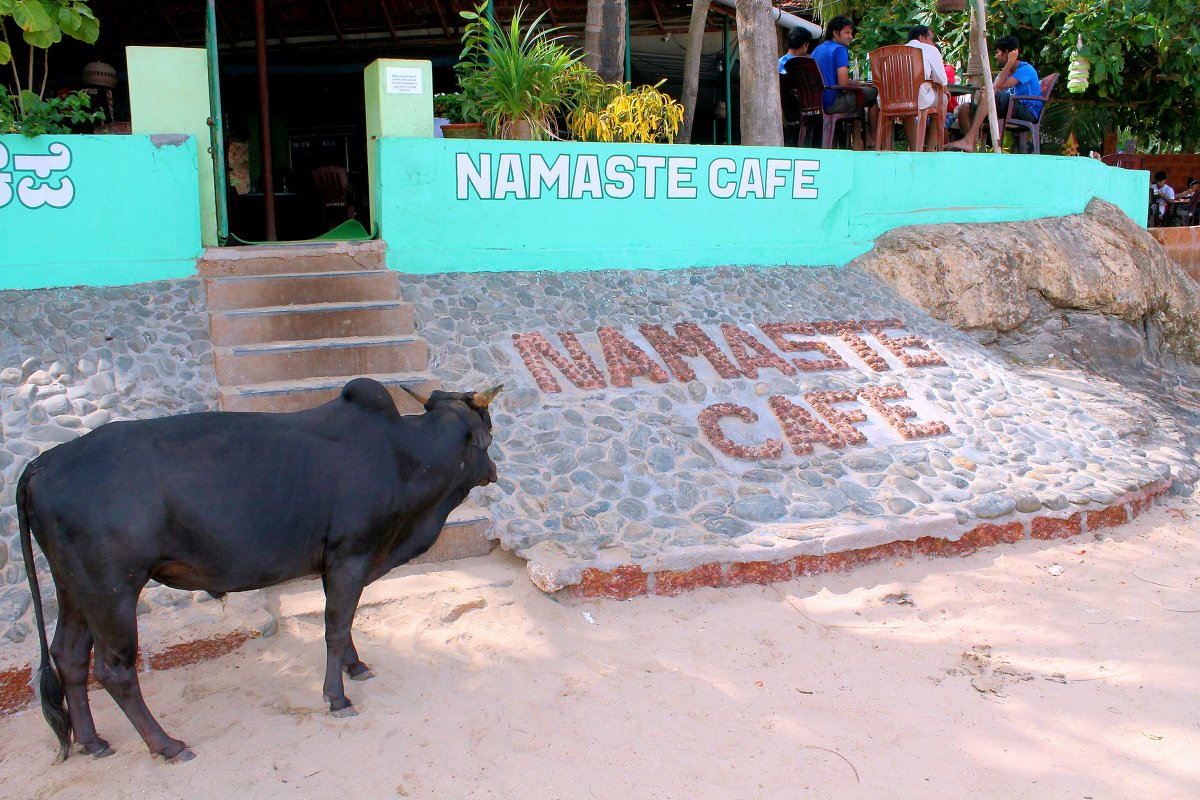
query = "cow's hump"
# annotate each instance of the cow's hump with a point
(369, 395)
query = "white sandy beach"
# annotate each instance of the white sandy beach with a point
(1001, 679)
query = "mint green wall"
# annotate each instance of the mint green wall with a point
(168, 93)
(399, 102)
(842, 202)
(97, 210)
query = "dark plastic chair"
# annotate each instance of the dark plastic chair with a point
(800, 89)
(898, 71)
(333, 189)
(1029, 134)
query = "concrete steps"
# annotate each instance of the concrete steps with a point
(290, 325)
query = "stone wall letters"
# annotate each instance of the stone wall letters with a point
(827, 418)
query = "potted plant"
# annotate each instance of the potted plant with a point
(514, 77)
(616, 112)
(456, 109)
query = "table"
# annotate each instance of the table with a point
(962, 88)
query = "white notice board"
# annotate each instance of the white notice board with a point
(403, 80)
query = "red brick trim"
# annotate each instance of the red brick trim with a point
(670, 582)
(188, 653)
(629, 580)
(760, 572)
(15, 692)
(622, 583)
(1107, 518)
(1051, 528)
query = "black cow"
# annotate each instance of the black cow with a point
(228, 502)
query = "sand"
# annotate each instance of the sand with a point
(984, 677)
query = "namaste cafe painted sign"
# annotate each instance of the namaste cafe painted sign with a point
(824, 418)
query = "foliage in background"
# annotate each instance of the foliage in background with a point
(1144, 54)
(619, 113)
(513, 74)
(54, 115)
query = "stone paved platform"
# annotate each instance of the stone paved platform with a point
(659, 430)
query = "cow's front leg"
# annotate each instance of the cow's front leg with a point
(355, 670)
(343, 588)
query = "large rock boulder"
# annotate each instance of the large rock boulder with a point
(1002, 276)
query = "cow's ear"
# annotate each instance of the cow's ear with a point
(480, 400)
(480, 437)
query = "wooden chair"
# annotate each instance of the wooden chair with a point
(898, 71)
(333, 189)
(1123, 160)
(800, 88)
(1029, 134)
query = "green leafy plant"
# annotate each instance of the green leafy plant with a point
(608, 112)
(42, 24)
(454, 106)
(514, 78)
(31, 115)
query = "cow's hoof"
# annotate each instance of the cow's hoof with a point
(363, 674)
(182, 756)
(342, 713)
(96, 749)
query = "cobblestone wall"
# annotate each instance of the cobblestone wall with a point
(73, 359)
(620, 472)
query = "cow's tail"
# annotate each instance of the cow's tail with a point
(54, 705)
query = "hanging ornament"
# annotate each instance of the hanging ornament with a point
(1071, 147)
(1077, 71)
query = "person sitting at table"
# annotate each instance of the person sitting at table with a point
(1163, 194)
(921, 37)
(833, 58)
(1016, 77)
(799, 43)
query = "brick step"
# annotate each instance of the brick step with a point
(258, 291)
(311, 321)
(220, 262)
(297, 395)
(464, 535)
(313, 358)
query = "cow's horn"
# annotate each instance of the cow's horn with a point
(415, 396)
(481, 399)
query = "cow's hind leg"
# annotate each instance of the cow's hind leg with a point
(72, 649)
(343, 587)
(115, 633)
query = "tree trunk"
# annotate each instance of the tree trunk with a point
(604, 39)
(691, 68)
(762, 117)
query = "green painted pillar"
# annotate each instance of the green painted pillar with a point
(168, 93)
(399, 103)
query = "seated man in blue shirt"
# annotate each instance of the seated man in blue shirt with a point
(799, 43)
(1017, 77)
(833, 57)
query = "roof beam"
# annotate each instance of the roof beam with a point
(228, 33)
(336, 27)
(170, 22)
(657, 17)
(439, 6)
(276, 23)
(383, 5)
